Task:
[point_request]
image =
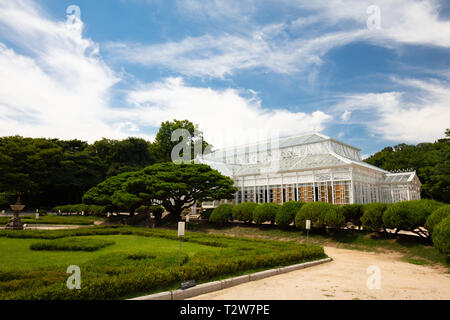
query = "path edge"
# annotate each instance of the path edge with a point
(228, 283)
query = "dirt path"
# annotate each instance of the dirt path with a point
(345, 278)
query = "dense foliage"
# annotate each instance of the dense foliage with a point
(436, 217)
(285, 216)
(221, 214)
(353, 213)
(320, 213)
(441, 236)
(409, 215)
(51, 172)
(266, 212)
(244, 211)
(372, 218)
(430, 160)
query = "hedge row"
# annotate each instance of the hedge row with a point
(419, 216)
(79, 208)
(322, 214)
(71, 244)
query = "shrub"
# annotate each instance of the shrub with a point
(286, 215)
(409, 215)
(353, 213)
(79, 208)
(441, 236)
(71, 244)
(334, 218)
(42, 212)
(436, 217)
(244, 211)
(206, 213)
(372, 218)
(315, 212)
(266, 212)
(221, 214)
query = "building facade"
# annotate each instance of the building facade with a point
(309, 168)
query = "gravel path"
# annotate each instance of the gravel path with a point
(346, 278)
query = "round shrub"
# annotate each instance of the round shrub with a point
(221, 214)
(441, 236)
(353, 213)
(409, 215)
(315, 212)
(436, 217)
(334, 217)
(372, 218)
(286, 215)
(244, 211)
(266, 212)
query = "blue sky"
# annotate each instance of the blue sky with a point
(369, 73)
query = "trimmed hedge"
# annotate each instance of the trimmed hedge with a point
(315, 212)
(286, 215)
(71, 244)
(436, 217)
(372, 218)
(244, 211)
(79, 208)
(221, 214)
(409, 215)
(441, 236)
(266, 212)
(353, 213)
(334, 218)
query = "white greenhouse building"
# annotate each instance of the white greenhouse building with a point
(310, 167)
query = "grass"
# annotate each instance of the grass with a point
(419, 262)
(410, 247)
(57, 220)
(141, 261)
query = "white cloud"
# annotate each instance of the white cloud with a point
(219, 56)
(59, 87)
(286, 47)
(394, 117)
(225, 117)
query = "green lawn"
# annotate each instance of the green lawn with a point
(16, 254)
(51, 219)
(140, 261)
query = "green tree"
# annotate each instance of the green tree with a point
(179, 186)
(164, 145)
(430, 160)
(111, 194)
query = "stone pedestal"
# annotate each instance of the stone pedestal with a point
(14, 223)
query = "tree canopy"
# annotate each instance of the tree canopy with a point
(52, 172)
(174, 186)
(430, 160)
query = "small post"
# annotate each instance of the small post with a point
(181, 229)
(308, 227)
